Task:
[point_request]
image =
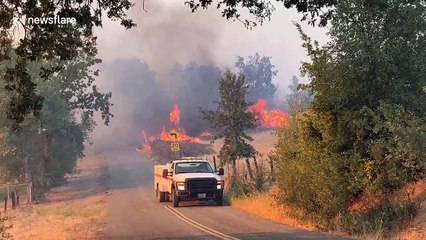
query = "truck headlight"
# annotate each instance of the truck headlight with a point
(180, 186)
(219, 185)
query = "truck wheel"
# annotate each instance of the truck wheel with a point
(175, 199)
(160, 195)
(219, 200)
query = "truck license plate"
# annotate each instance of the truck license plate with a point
(201, 195)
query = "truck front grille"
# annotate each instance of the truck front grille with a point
(208, 184)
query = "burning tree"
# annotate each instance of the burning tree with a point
(273, 118)
(231, 119)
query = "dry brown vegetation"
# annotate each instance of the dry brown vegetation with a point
(75, 210)
(264, 205)
(264, 141)
(417, 227)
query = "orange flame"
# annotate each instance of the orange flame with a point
(146, 147)
(273, 118)
(175, 115)
(177, 135)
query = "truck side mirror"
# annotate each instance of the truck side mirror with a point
(221, 172)
(165, 172)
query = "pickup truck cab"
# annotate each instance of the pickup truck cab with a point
(188, 180)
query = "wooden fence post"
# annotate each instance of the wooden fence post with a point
(5, 203)
(13, 199)
(255, 164)
(214, 163)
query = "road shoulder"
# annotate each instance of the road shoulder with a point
(75, 210)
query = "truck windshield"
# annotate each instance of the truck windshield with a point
(193, 167)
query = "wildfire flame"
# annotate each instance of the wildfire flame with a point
(177, 135)
(273, 118)
(173, 135)
(175, 115)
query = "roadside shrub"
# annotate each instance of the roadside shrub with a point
(381, 219)
(239, 187)
(309, 173)
(261, 177)
(322, 174)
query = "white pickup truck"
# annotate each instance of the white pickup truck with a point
(188, 180)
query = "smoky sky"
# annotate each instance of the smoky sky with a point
(142, 102)
(175, 56)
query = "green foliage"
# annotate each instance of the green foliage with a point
(394, 153)
(53, 44)
(262, 10)
(298, 99)
(383, 218)
(231, 119)
(309, 173)
(50, 143)
(365, 132)
(239, 187)
(258, 72)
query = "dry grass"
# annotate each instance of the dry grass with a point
(264, 205)
(74, 211)
(264, 141)
(417, 229)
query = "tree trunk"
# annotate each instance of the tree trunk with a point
(249, 169)
(46, 148)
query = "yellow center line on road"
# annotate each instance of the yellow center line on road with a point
(200, 226)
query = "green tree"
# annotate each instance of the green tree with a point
(231, 119)
(48, 145)
(53, 44)
(298, 99)
(258, 72)
(362, 133)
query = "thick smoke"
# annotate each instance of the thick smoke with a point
(142, 102)
(167, 59)
(196, 86)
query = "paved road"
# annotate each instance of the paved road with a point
(134, 213)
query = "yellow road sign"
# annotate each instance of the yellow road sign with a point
(175, 147)
(174, 134)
